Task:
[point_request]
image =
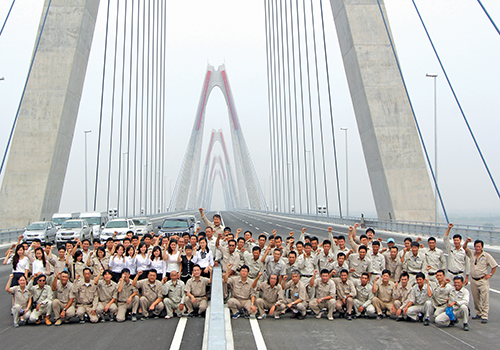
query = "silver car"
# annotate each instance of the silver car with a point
(72, 229)
(142, 226)
(43, 230)
(120, 226)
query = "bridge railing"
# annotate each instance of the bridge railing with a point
(488, 234)
(10, 235)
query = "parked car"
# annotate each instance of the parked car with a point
(59, 218)
(71, 229)
(96, 221)
(44, 230)
(196, 222)
(142, 226)
(121, 226)
(176, 226)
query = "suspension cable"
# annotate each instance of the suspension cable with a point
(129, 108)
(275, 99)
(457, 101)
(24, 88)
(7, 17)
(320, 118)
(331, 109)
(136, 108)
(101, 107)
(412, 110)
(489, 17)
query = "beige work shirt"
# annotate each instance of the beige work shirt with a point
(325, 261)
(435, 259)
(385, 292)
(461, 297)
(254, 266)
(344, 289)
(414, 264)
(151, 292)
(402, 294)
(106, 291)
(64, 293)
(440, 294)
(216, 229)
(127, 290)
(175, 292)
(21, 297)
(419, 296)
(479, 265)
(297, 291)
(271, 294)
(325, 289)
(395, 266)
(197, 288)
(229, 258)
(458, 261)
(359, 265)
(86, 293)
(240, 289)
(364, 293)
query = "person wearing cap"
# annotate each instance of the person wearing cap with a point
(480, 261)
(458, 261)
(390, 243)
(393, 264)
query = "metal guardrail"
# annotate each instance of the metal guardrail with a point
(489, 235)
(216, 325)
(10, 235)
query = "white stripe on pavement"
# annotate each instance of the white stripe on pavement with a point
(257, 335)
(229, 329)
(179, 332)
(205, 331)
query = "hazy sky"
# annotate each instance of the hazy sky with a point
(232, 32)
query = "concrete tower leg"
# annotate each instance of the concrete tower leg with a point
(393, 154)
(35, 171)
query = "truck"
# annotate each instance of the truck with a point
(59, 218)
(96, 220)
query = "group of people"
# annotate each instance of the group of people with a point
(261, 277)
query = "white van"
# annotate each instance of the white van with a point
(97, 220)
(59, 218)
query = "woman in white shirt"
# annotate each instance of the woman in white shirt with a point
(20, 265)
(130, 260)
(157, 263)
(172, 258)
(142, 261)
(117, 263)
(204, 257)
(39, 265)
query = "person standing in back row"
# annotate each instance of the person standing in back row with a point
(216, 225)
(480, 284)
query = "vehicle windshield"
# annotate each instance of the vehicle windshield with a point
(117, 224)
(36, 226)
(93, 220)
(72, 224)
(175, 223)
(140, 222)
(59, 221)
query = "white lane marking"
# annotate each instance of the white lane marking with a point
(179, 333)
(256, 228)
(5, 329)
(460, 340)
(205, 330)
(2, 259)
(229, 329)
(257, 335)
(494, 291)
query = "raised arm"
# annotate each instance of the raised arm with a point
(7, 286)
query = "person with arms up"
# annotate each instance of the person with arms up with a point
(21, 308)
(325, 293)
(458, 261)
(298, 295)
(216, 224)
(242, 293)
(272, 299)
(420, 300)
(63, 304)
(127, 297)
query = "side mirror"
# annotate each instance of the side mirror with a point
(159, 227)
(192, 225)
(198, 222)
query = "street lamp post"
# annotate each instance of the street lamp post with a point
(346, 172)
(436, 217)
(86, 176)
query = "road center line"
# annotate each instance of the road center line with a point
(460, 340)
(179, 333)
(257, 335)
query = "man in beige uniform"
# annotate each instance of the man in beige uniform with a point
(173, 293)
(480, 284)
(420, 300)
(413, 262)
(127, 297)
(362, 303)
(434, 260)
(272, 296)
(252, 259)
(196, 292)
(346, 292)
(85, 291)
(383, 294)
(393, 264)
(242, 293)
(63, 304)
(458, 261)
(108, 294)
(42, 300)
(401, 295)
(216, 225)
(459, 301)
(325, 292)
(229, 254)
(440, 294)
(298, 295)
(151, 294)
